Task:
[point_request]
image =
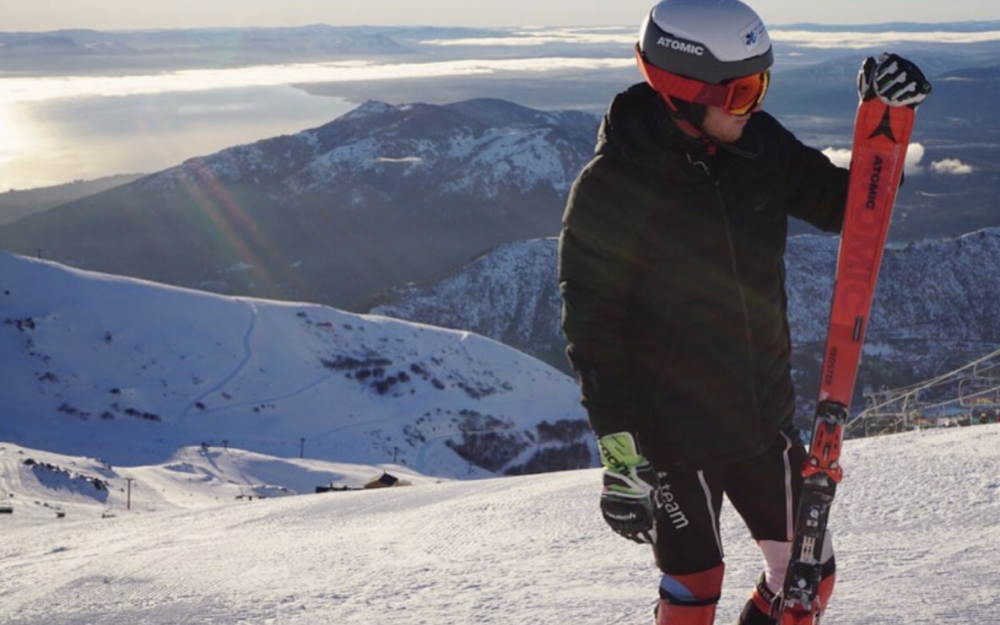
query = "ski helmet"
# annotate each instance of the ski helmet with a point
(706, 52)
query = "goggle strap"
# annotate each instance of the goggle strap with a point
(680, 87)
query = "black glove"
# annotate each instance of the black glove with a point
(630, 484)
(895, 80)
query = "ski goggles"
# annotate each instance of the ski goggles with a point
(738, 96)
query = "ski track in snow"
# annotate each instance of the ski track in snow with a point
(237, 370)
(915, 524)
(257, 400)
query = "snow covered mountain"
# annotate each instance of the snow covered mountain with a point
(915, 530)
(934, 306)
(510, 294)
(379, 197)
(938, 289)
(129, 371)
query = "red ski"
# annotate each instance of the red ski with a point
(881, 136)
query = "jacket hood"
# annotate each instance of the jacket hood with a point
(638, 128)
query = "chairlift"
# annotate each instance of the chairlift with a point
(979, 392)
(987, 370)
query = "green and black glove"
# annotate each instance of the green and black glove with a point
(897, 81)
(630, 484)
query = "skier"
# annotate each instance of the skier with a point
(672, 276)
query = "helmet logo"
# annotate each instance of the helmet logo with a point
(681, 46)
(753, 35)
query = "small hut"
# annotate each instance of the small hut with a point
(386, 480)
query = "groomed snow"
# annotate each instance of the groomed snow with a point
(916, 531)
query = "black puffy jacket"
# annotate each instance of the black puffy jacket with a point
(671, 266)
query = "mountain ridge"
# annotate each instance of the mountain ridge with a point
(381, 196)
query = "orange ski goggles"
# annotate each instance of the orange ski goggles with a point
(738, 96)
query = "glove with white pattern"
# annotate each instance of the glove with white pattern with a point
(893, 79)
(630, 485)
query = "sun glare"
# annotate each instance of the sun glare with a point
(12, 135)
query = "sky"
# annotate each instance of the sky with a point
(140, 14)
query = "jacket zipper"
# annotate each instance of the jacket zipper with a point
(746, 308)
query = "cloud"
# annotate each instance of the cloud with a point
(38, 89)
(914, 155)
(541, 36)
(858, 40)
(951, 166)
(405, 159)
(839, 156)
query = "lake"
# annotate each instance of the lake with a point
(58, 140)
(56, 129)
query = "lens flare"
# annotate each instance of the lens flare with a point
(242, 233)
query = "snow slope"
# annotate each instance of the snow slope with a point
(916, 524)
(129, 371)
(38, 484)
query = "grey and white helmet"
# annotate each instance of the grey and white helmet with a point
(711, 41)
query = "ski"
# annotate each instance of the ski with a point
(881, 136)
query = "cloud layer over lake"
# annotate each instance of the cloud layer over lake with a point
(858, 40)
(53, 88)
